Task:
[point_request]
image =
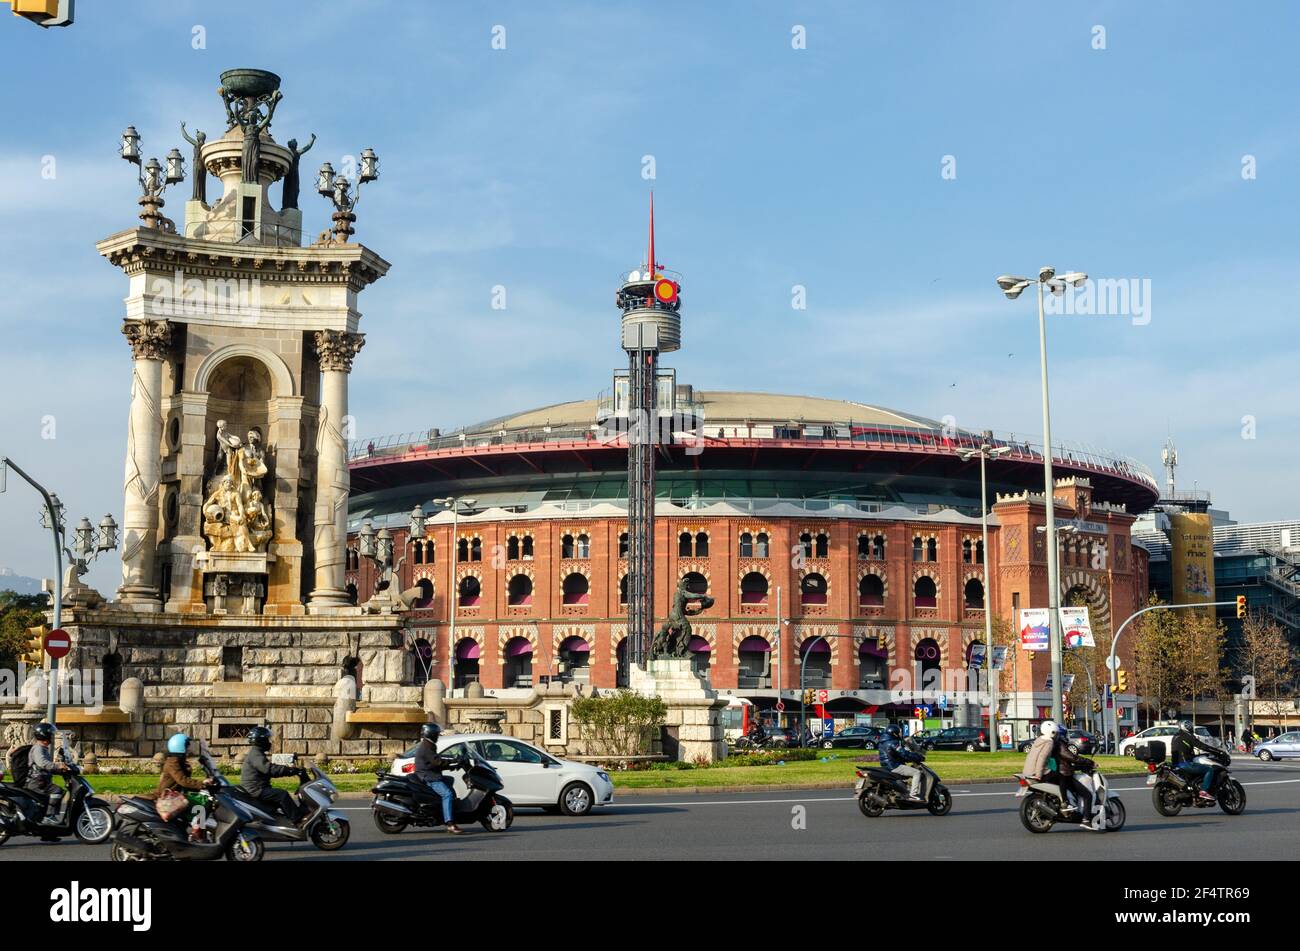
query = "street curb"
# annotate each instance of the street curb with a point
(651, 792)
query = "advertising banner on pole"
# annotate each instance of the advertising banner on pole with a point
(999, 658)
(1035, 635)
(1076, 630)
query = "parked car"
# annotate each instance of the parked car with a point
(1161, 731)
(532, 776)
(968, 738)
(1081, 741)
(853, 738)
(1285, 746)
(921, 736)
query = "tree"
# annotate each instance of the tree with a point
(1200, 662)
(621, 722)
(18, 612)
(1156, 649)
(1265, 655)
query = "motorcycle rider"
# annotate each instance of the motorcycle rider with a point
(757, 735)
(897, 757)
(1047, 747)
(1066, 763)
(257, 771)
(1182, 753)
(428, 770)
(41, 769)
(176, 772)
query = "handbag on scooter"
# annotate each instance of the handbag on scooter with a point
(171, 803)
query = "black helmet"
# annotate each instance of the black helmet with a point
(43, 731)
(1185, 726)
(430, 732)
(260, 737)
(894, 731)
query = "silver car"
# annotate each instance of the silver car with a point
(1280, 747)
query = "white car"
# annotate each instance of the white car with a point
(532, 776)
(1162, 732)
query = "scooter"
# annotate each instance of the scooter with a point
(217, 827)
(1041, 806)
(326, 828)
(404, 800)
(879, 789)
(1171, 791)
(81, 813)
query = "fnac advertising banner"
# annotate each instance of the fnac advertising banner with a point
(1035, 635)
(1192, 557)
(1076, 631)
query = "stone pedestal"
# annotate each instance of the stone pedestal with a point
(694, 709)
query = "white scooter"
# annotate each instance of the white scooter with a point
(1041, 806)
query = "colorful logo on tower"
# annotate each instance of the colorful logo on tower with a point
(665, 290)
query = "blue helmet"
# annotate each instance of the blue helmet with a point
(178, 743)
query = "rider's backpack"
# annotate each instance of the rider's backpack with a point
(18, 763)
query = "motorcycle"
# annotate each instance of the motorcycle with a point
(217, 827)
(327, 829)
(879, 789)
(404, 800)
(1041, 806)
(81, 813)
(1171, 791)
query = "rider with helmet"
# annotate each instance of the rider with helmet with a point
(176, 772)
(429, 768)
(1182, 753)
(41, 769)
(1052, 745)
(257, 771)
(897, 757)
(1066, 762)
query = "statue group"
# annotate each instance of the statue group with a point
(235, 516)
(674, 637)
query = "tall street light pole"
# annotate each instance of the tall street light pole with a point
(986, 451)
(1013, 287)
(453, 503)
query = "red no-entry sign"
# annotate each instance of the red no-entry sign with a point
(58, 643)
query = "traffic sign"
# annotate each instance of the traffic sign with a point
(943, 701)
(780, 706)
(57, 643)
(823, 696)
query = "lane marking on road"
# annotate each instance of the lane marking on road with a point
(780, 802)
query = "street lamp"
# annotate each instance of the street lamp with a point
(152, 176)
(453, 503)
(987, 451)
(336, 189)
(1013, 287)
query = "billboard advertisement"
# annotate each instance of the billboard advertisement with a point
(1034, 632)
(1191, 557)
(1076, 631)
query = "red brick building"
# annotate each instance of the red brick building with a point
(863, 522)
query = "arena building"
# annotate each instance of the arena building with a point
(800, 516)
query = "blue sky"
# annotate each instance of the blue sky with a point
(774, 167)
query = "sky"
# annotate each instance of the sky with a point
(889, 158)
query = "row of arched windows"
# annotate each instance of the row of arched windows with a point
(871, 547)
(693, 546)
(925, 549)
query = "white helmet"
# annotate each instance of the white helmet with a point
(1049, 728)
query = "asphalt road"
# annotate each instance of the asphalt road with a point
(764, 825)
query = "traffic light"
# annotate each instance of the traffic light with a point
(33, 650)
(1121, 680)
(44, 13)
(1241, 606)
(808, 697)
(1096, 704)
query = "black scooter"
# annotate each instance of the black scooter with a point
(81, 814)
(1171, 791)
(404, 800)
(142, 835)
(324, 827)
(879, 789)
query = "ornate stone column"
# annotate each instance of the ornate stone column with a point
(335, 349)
(150, 342)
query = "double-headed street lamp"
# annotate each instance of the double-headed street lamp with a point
(1013, 287)
(985, 451)
(453, 503)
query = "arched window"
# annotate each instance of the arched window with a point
(684, 545)
(422, 651)
(520, 590)
(417, 554)
(927, 654)
(622, 545)
(622, 590)
(467, 658)
(574, 660)
(512, 548)
(878, 548)
(815, 658)
(967, 551)
(528, 547)
(701, 545)
(979, 553)
(926, 592)
(584, 546)
(753, 589)
(621, 665)
(754, 656)
(974, 593)
(823, 544)
(462, 550)
(871, 666)
(760, 545)
(426, 593)
(576, 589)
(805, 542)
(519, 662)
(566, 546)
(696, 583)
(470, 592)
(476, 549)
(812, 589)
(700, 653)
(428, 552)
(918, 549)
(871, 591)
(864, 546)
(746, 545)
(932, 550)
